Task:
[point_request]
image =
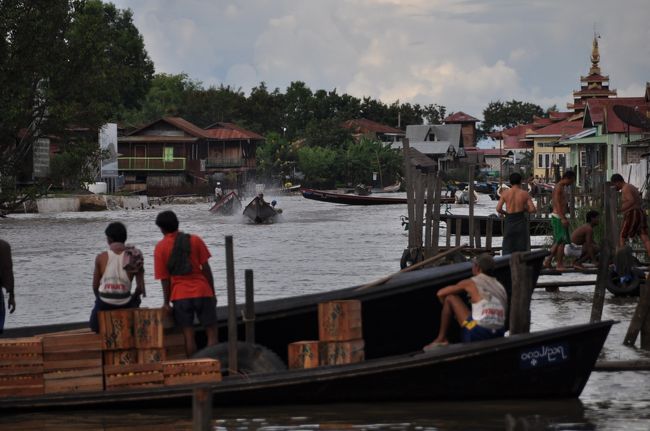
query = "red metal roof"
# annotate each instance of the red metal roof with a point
(460, 117)
(491, 152)
(602, 111)
(229, 131)
(363, 125)
(561, 128)
(177, 122)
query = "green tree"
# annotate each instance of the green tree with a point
(63, 63)
(275, 158)
(76, 165)
(320, 165)
(326, 133)
(499, 115)
(367, 156)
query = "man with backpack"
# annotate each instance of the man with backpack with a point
(181, 265)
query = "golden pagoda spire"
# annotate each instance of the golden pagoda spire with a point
(595, 56)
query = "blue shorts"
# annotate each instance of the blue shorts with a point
(473, 332)
(204, 308)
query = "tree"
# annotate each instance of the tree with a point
(499, 115)
(367, 156)
(320, 165)
(77, 164)
(275, 158)
(63, 63)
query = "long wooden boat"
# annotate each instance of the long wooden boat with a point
(538, 225)
(259, 211)
(349, 199)
(399, 317)
(227, 205)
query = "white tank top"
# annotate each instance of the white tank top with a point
(490, 311)
(115, 285)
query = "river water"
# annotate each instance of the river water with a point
(313, 247)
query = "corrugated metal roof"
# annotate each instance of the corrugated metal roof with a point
(230, 131)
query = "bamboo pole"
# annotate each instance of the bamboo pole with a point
(232, 307)
(249, 314)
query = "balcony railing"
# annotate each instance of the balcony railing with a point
(150, 164)
(223, 162)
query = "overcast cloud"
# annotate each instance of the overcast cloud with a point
(461, 54)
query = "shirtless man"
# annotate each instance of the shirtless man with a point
(582, 245)
(559, 222)
(518, 202)
(634, 219)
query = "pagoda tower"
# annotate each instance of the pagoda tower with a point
(593, 85)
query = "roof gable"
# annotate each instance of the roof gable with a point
(363, 125)
(460, 117)
(176, 123)
(229, 131)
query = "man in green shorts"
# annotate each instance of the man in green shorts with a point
(559, 222)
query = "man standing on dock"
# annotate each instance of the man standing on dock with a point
(181, 265)
(6, 281)
(634, 219)
(518, 202)
(559, 222)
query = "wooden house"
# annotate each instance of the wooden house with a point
(172, 155)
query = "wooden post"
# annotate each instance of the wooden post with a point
(448, 234)
(201, 408)
(522, 290)
(539, 205)
(232, 307)
(477, 234)
(419, 207)
(572, 201)
(249, 313)
(471, 207)
(488, 232)
(410, 191)
(428, 215)
(459, 228)
(607, 245)
(639, 319)
(436, 215)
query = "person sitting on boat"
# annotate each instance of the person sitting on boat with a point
(114, 272)
(6, 281)
(181, 265)
(582, 246)
(489, 300)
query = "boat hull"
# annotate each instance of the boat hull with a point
(259, 211)
(227, 205)
(347, 199)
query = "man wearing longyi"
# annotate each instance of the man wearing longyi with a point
(559, 221)
(634, 219)
(518, 202)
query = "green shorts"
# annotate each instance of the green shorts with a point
(560, 232)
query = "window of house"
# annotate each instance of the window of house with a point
(583, 159)
(168, 154)
(540, 160)
(547, 161)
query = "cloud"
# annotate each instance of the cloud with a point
(459, 53)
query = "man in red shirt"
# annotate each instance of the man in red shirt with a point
(181, 265)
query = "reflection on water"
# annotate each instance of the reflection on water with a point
(314, 247)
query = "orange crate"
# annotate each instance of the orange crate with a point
(303, 354)
(150, 356)
(191, 371)
(82, 380)
(341, 352)
(133, 376)
(339, 321)
(120, 357)
(116, 329)
(148, 328)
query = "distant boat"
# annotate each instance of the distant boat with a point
(392, 189)
(259, 211)
(227, 205)
(347, 199)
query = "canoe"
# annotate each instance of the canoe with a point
(259, 211)
(349, 199)
(399, 317)
(538, 225)
(227, 205)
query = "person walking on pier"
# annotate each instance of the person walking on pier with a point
(489, 300)
(518, 202)
(111, 280)
(181, 265)
(634, 219)
(6, 281)
(559, 221)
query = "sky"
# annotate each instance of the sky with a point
(458, 53)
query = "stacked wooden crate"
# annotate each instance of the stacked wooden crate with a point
(72, 362)
(133, 348)
(340, 336)
(191, 371)
(21, 367)
(174, 342)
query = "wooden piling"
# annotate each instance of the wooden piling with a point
(419, 208)
(639, 320)
(471, 232)
(249, 312)
(201, 408)
(448, 235)
(522, 290)
(459, 226)
(435, 240)
(232, 307)
(428, 224)
(410, 191)
(608, 243)
(488, 232)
